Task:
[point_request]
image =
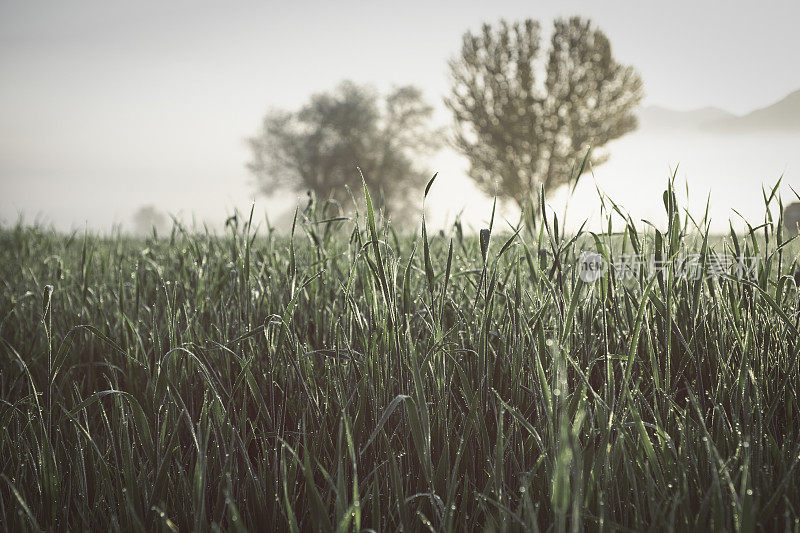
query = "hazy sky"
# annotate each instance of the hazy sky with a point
(106, 106)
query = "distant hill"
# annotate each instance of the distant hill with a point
(782, 116)
(656, 118)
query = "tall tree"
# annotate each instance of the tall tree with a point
(520, 132)
(320, 146)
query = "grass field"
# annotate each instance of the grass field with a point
(351, 378)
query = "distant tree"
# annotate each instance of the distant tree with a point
(147, 218)
(791, 218)
(520, 133)
(320, 146)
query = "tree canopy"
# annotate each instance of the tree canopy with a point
(524, 120)
(320, 146)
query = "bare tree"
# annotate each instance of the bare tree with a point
(320, 146)
(520, 133)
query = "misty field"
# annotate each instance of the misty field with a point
(352, 378)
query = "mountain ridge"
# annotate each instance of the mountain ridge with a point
(782, 116)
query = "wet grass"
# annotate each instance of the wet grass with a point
(350, 378)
